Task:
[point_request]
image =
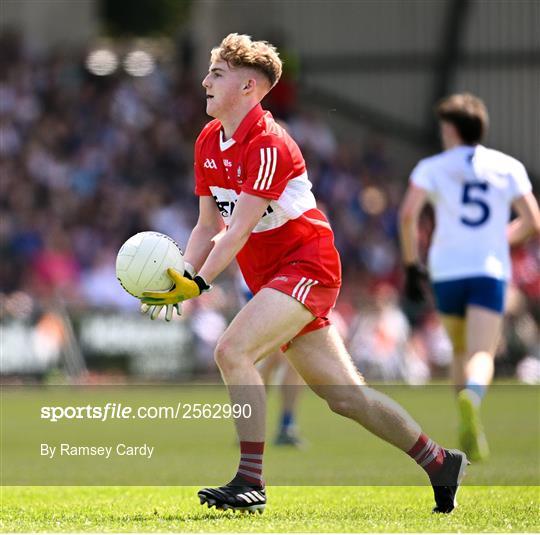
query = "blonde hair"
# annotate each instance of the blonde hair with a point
(240, 51)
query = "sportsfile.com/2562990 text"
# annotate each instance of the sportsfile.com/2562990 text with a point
(119, 411)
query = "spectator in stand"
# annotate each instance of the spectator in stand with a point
(379, 340)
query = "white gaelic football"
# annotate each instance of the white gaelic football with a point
(142, 262)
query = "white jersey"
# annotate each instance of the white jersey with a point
(471, 189)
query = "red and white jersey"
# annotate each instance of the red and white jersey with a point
(263, 160)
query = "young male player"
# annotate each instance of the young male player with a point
(472, 189)
(250, 174)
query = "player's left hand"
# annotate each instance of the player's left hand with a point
(416, 282)
(155, 310)
(183, 289)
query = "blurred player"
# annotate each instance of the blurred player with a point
(276, 367)
(290, 388)
(472, 189)
(250, 174)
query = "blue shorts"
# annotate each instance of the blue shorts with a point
(454, 296)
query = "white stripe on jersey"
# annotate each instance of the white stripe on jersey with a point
(273, 169)
(273, 161)
(293, 202)
(259, 176)
(267, 168)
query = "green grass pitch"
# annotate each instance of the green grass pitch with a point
(499, 495)
(290, 509)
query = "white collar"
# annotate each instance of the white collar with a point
(224, 145)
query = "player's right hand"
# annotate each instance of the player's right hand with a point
(416, 281)
(155, 310)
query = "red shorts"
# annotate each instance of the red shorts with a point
(318, 299)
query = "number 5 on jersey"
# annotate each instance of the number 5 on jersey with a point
(472, 196)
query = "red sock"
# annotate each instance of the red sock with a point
(251, 457)
(428, 454)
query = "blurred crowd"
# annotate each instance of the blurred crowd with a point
(87, 161)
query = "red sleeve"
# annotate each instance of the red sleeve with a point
(269, 168)
(201, 187)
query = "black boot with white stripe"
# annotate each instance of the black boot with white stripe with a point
(446, 482)
(236, 496)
